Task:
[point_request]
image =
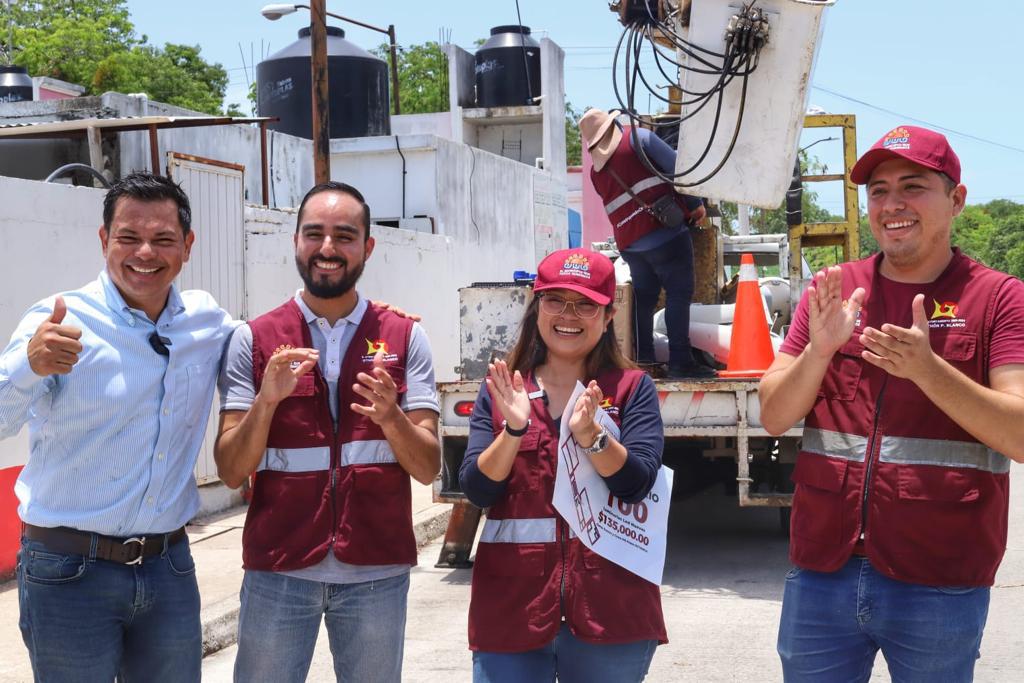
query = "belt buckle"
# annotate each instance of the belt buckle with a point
(141, 540)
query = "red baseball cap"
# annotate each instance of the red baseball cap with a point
(920, 145)
(580, 270)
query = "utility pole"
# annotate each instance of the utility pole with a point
(321, 105)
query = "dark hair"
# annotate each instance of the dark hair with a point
(947, 181)
(148, 187)
(529, 350)
(335, 186)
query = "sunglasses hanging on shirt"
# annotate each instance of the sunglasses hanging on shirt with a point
(160, 344)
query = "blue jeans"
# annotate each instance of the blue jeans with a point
(280, 618)
(570, 659)
(85, 619)
(669, 266)
(833, 625)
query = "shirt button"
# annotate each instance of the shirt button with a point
(167, 411)
(333, 361)
(150, 500)
(159, 456)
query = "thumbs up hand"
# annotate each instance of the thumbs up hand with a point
(54, 348)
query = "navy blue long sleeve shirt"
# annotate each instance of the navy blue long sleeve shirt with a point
(641, 433)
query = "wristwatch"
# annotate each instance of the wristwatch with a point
(600, 443)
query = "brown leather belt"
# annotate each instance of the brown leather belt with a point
(121, 550)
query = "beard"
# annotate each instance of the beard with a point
(324, 287)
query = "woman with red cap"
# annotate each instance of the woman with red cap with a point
(543, 605)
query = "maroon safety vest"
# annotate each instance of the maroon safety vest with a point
(318, 489)
(936, 497)
(529, 574)
(629, 219)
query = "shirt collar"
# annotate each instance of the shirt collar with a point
(354, 318)
(174, 307)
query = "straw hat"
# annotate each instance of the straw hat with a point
(602, 136)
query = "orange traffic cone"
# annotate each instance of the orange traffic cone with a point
(750, 349)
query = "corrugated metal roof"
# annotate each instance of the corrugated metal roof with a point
(78, 127)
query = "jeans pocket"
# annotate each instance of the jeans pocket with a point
(179, 559)
(51, 569)
(956, 590)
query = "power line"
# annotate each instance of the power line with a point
(911, 118)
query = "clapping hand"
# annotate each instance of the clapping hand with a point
(379, 389)
(582, 422)
(831, 320)
(283, 372)
(508, 391)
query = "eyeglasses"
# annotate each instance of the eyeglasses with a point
(160, 344)
(583, 308)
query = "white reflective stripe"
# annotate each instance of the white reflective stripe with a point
(623, 199)
(748, 272)
(834, 444)
(912, 451)
(296, 459)
(540, 530)
(367, 453)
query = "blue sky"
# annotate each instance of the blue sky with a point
(946, 63)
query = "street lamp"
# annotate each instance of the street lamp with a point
(318, 64)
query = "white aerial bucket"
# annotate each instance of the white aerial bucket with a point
(760, 167)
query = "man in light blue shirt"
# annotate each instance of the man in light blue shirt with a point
(115, 382)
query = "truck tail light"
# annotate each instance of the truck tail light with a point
(464, 408)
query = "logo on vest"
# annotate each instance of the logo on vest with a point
(608, 407)
(576, 265)
(897, 138)
(946, 314)
(372, 347)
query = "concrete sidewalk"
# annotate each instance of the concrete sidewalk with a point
(217, 550)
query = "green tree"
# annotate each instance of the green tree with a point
(93, 43)
(422, 77)
(175, 75)
(573, 143)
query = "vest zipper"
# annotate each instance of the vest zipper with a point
(870, 461)
(561, 581)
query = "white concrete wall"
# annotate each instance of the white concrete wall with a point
(50, 244)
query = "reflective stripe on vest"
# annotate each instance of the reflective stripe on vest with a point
(296, 459)
(622, 199)
(367, 453)
(911, 451)
(834, 444)
(540, 530)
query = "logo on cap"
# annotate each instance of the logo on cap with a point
(576, 265)
(897, 138)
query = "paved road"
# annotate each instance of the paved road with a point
(722, 595)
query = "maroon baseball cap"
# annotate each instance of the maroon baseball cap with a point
(920, 145)
(580, 270)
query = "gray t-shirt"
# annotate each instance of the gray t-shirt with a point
(238, 391)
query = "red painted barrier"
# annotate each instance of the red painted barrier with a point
(10, 524)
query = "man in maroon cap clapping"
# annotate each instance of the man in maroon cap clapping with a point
(907, 368)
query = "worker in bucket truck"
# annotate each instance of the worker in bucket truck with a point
(651, 226)
(543, 604)
(908, 371)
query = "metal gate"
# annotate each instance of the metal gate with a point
(216, 191)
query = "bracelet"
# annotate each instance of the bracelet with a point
(516, 432)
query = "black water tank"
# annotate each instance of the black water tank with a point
(15, 84)
(501, 71)
(357, 88)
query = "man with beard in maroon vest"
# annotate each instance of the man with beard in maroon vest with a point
(907, 368)
(329, 399)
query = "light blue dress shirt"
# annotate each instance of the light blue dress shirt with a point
(113, 444)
